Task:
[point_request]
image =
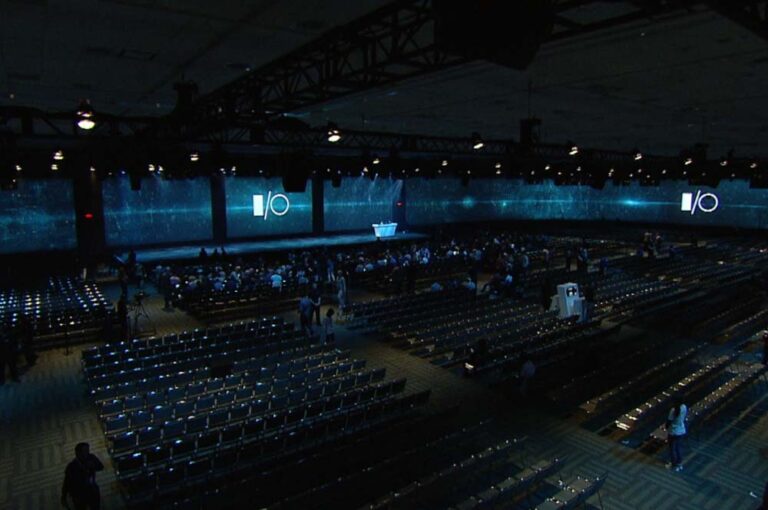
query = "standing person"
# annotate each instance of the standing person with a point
(341, 286)
(122, 316)
(765, 347)
(676, 432)
(568, 258)
(315, 296)
(80, 480)
(527, 371)
(8, 355)
(305, 314)
(27, 334)
(122, 276)
(330, 336)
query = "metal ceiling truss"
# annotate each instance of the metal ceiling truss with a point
(389, 45)
(752, 15)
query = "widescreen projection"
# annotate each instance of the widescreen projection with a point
(732, 203)
(359, 202)
(37, 216)
(261, 207)
(162, 211)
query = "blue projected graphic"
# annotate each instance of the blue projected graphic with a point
(37, 216)
(161, 211)
(360, 202)
(732, 203)
(261, 207)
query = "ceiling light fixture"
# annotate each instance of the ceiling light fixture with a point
(477, 141)
(334, 133)
(85, 116)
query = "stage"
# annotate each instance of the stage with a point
(156, 255)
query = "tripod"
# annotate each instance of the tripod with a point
(138, 313)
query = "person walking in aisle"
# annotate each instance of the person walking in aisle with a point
(330, 336)
(80, 480)
(676, 432)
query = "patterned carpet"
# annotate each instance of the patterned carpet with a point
(44, 416)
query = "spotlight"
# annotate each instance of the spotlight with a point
(547, 168)
(151, 167)
(638, 155)
(334, 134)
(93, 169)
(497, 166)
(376, 161)
(85, 116)
(194, 157)
(724, 162)
(753, 165)
(54, 167)
(574, 150)
(18, 168)
(498, 172)
(444, 163)
(477, 141)
(416, 170)
(58, 155)
(688, 162)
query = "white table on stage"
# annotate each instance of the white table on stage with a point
(381, 230)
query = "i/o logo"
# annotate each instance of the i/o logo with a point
(263, 207)
(704, 202)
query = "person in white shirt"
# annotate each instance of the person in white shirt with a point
(675, 433)
(330, 337)
(277, 281)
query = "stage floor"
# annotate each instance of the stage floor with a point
(155, 255)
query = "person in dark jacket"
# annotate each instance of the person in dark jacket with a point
(80, 480)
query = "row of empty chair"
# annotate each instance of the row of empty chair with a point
(65, 310)
(743, 375)
(181, 410)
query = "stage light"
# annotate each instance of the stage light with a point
(417, 169)
(18, 168)
(547, 168)
(578, 169)
(194, 157)
(477, 141)
(444, 163)
(151, 167)
(664, 172)
(724, 162)
(85, 116)
(93, 169)
(88, 216)
(638, 155)
(498, 172)
(574, 150)
(54, 167)
(753, 165)
(498, 165)
(160, 169)
(376, 161)
(58, 155)
(639, 170)
(334, 134)
(688, 162)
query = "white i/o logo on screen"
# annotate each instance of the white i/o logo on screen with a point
(263, 207)
(704, 202)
